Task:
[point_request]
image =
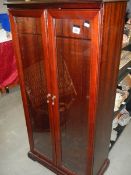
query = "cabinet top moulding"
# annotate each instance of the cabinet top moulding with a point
(27, 2)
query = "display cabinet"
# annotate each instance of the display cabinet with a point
(68, 58)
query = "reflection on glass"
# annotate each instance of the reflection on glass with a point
(35, 83)
(73, 53)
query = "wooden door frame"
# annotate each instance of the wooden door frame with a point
(94, 16)
(37, 14)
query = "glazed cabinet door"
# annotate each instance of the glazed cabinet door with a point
(74, 37)
(29, 35)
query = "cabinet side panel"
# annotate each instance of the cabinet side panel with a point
(113, 22)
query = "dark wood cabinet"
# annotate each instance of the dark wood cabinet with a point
(68, 57)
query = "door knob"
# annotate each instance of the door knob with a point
(53, 99)
(48, 96)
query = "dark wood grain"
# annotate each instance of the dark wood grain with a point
(94, 85)
(42, 33)
(28, 25)
(49, 82)
(30, 56)
(113, 22)
(54, 1)
(78, 68)
(57, 6)
(64, 28)
(68, 48)
(20, 73)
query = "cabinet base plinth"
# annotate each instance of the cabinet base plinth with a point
(104, 167)
(45, 163)
(56, 170)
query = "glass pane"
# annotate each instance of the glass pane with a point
(73, 63)
(30, 40)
